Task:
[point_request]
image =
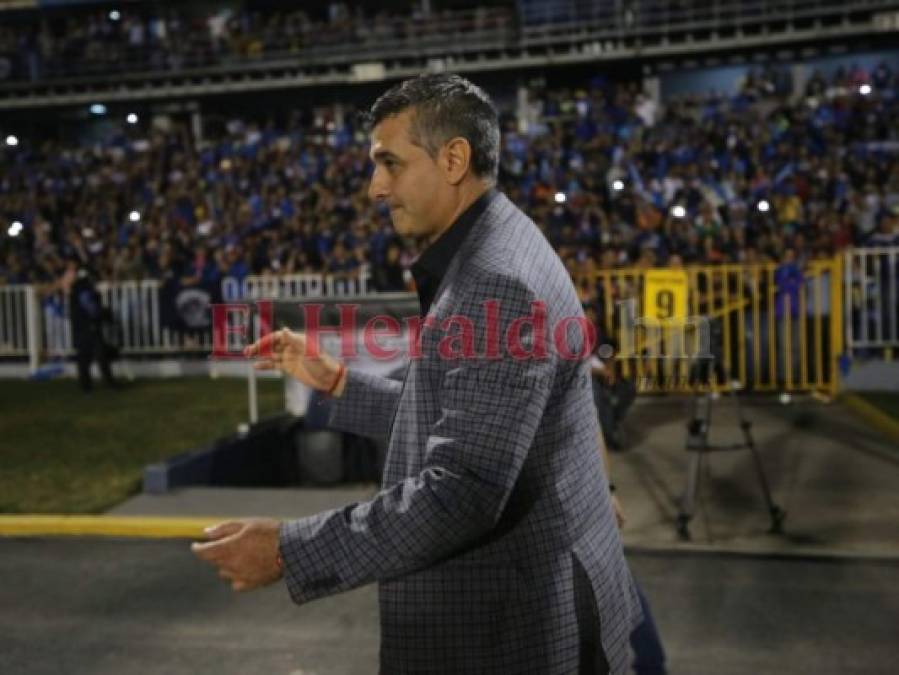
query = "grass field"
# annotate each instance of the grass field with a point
(886, 401)
(62, 451)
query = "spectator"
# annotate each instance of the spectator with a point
(87, 317)
(389, 275)
(887, 233)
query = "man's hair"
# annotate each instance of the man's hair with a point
(445, 106)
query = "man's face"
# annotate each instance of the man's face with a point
(407, 179)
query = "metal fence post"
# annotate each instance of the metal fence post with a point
(33, 327)
(837, 323)
(252, 393)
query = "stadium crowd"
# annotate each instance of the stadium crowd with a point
(612, 181)
(158, 38)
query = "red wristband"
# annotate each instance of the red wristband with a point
(279, 561)
(340, 371)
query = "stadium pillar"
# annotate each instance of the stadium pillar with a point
(799, 76)
(652, 87)
(523, 109)
(196, 125)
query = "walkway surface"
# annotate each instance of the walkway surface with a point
(821, 598)
(127, 607)
(837, 479)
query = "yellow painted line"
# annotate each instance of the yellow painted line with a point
(105, 526)
(883, 422)
(820, 396)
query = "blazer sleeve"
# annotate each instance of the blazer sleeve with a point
(367, 405)
(490, 411)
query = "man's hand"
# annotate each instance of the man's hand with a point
(604, 371)
(244, 551)
(608, 376)
(619, 512)
(292, 353)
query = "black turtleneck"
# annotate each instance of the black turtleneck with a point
(431, 266)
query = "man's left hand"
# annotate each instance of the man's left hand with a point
(619, 512)
(245, 552)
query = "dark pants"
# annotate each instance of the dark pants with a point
(91, 347)
(591, 657)
(649, 657)
(612, 402)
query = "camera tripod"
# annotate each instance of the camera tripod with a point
(698, 445)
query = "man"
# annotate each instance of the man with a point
(612, 394)
(790, 281)
(887, 232)
(886, 235)
(493, 540)
(87, 316)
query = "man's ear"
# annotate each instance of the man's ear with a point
(456, 159)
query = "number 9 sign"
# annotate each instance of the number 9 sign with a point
(665, 294)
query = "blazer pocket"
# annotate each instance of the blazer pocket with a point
(470, 609)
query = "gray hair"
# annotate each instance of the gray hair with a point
(445, 106)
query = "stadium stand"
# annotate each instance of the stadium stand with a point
(778, 168)
(87, 41)
(60, 52)
(612, 182)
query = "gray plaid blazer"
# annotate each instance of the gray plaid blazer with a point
(493, 487)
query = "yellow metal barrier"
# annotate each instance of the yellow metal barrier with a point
(769, 327)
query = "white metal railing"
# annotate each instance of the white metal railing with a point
(14, 321)
(302, 285)
(136, 315)
(871, 306)
(36, 326)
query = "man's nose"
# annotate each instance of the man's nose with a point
(377, 188)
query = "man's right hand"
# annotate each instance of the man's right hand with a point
(291, 353)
